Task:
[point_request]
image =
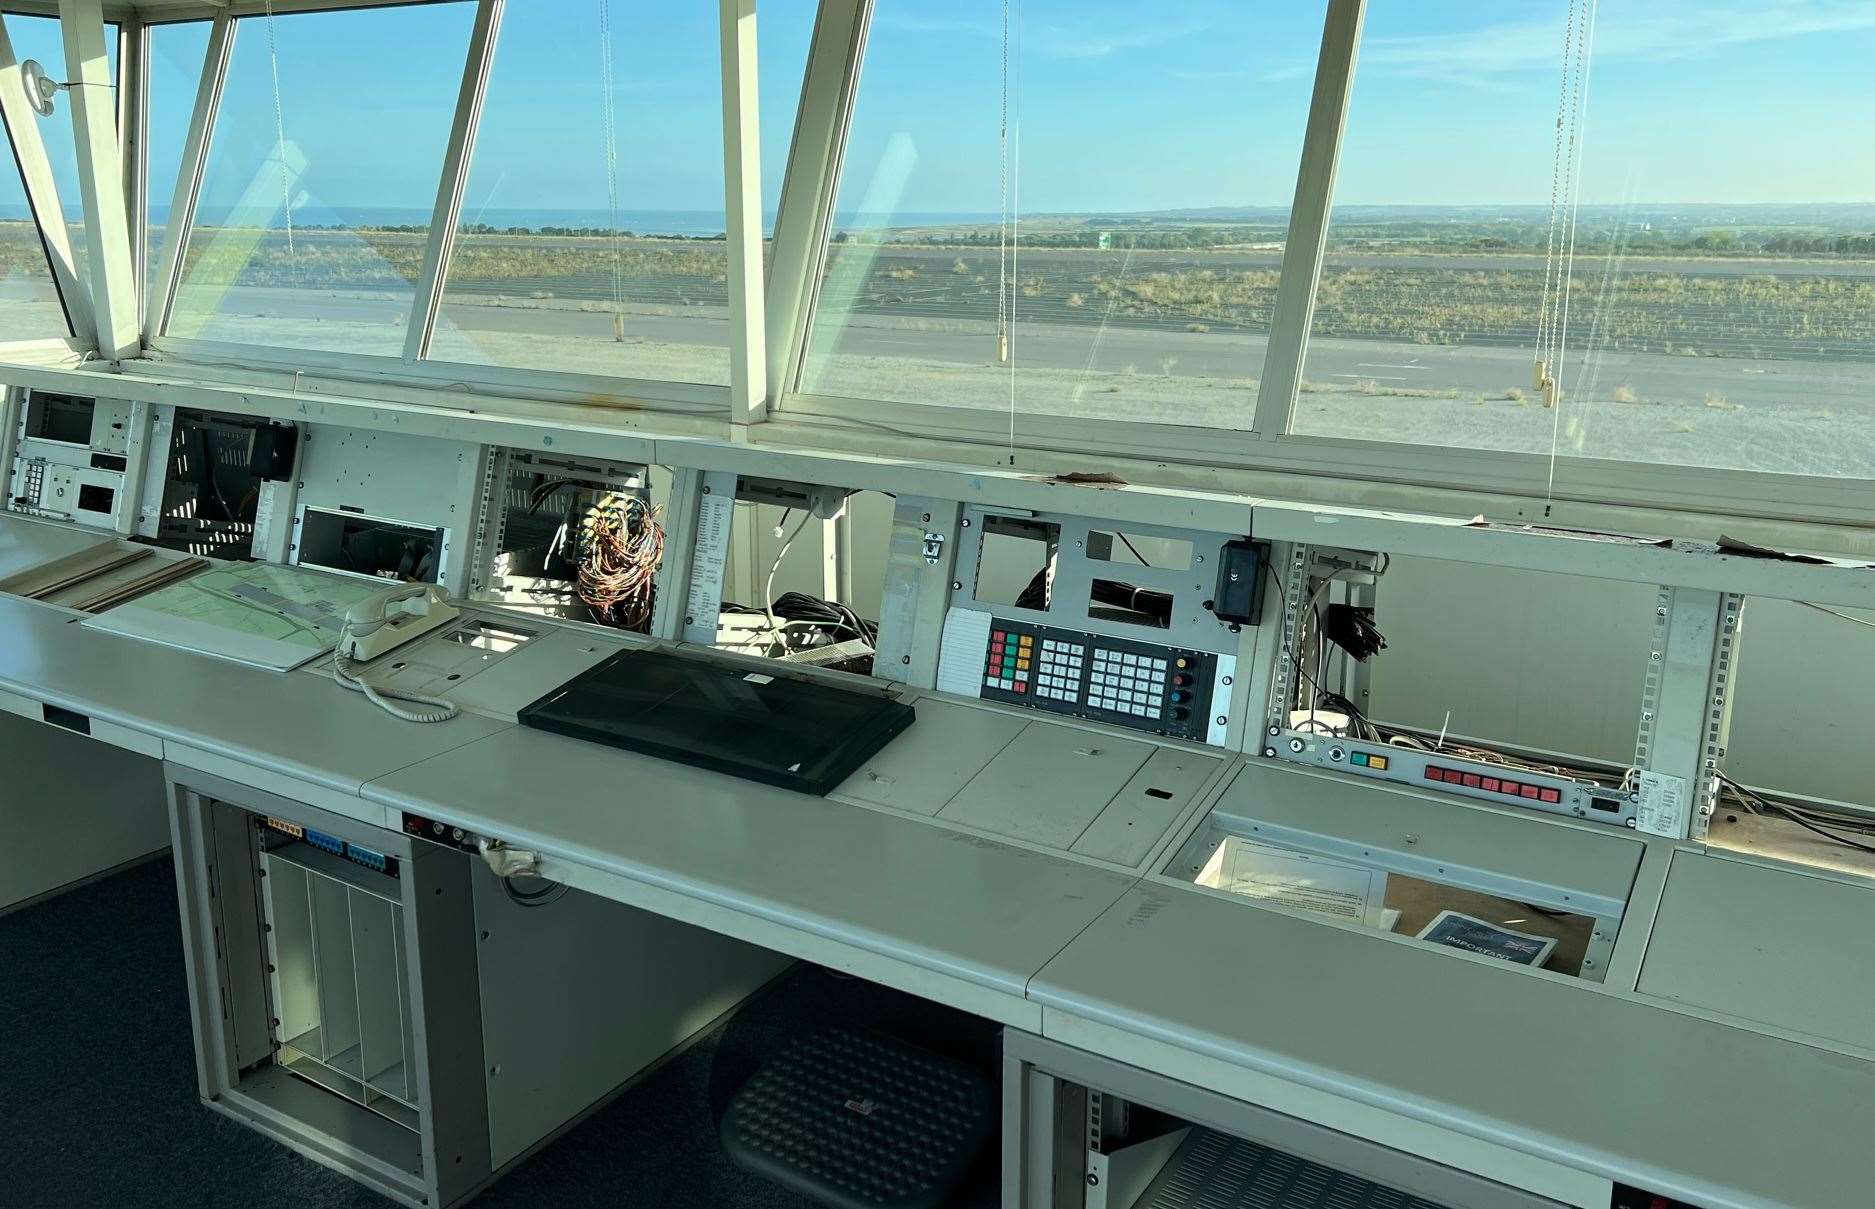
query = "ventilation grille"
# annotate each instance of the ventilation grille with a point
(1214, 1171)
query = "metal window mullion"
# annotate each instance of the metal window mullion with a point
(742, 192)
(811, 184)
(161, 302)
(42, 195)
(453, 186)
(133, 63)
(1308, 218)
(101, 180)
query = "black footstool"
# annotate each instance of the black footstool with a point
(859, 1121)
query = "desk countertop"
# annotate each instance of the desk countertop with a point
(292, 723)
(27, 543)
(1584, 1077)
(1716, 1115)
(960, 905)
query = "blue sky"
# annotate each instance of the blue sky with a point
(1117, 106)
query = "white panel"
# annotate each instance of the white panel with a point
(1775, 946)
(26, 544)
(1157, 796)
(1048, 785)
(922, 769)
(581, 994)
(71, 808)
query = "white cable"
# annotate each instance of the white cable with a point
(345, 677)
(768, 588)
(1838, 616)
(383, 698)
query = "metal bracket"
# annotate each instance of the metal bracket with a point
(491, 521)
(1686, 697)
(1283, 681)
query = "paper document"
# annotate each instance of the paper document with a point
(716, 516)
(1316, 884)
(1663, 805)
(1491, 940)
(257, 613)
(964, 652)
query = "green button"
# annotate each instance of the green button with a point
(1358, 759)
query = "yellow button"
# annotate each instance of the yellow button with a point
(1027, 641)
(1022, 664)
(1378, 763)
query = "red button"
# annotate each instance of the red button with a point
(1490, 783)
(1552, 795)
(1021, 687)
(1509, 787)
(1472, 780)
(1434, 774)
(1528, 791)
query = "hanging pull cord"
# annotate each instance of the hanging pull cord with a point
(279, 129)
(1578, 129)
(1543, 373)
(1579, 102)
(609, 123)
(1002, 243)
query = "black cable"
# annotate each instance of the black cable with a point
(545, 490)
(1795, 815)
(1293, 657)
(1844, 840)
(1136, 553)
(552, 892)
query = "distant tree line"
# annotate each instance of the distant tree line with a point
(1163, 239)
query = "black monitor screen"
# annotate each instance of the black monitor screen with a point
(774, 728)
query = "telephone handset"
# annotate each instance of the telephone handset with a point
(381, 623)
(391, 618)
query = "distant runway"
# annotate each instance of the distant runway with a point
(1378, 366)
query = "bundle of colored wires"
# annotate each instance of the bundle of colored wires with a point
(624, 543)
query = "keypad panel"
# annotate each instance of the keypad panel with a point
(1159, 689)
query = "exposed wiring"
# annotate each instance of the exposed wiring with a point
(1124, 541)
(1757, 803)
(768, 586)
(618, 566)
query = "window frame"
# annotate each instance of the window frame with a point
(774, 321)
(45, 208)
(1269, 444)
(743, 223)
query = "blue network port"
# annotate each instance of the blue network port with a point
(324, 842)
(367, 858)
